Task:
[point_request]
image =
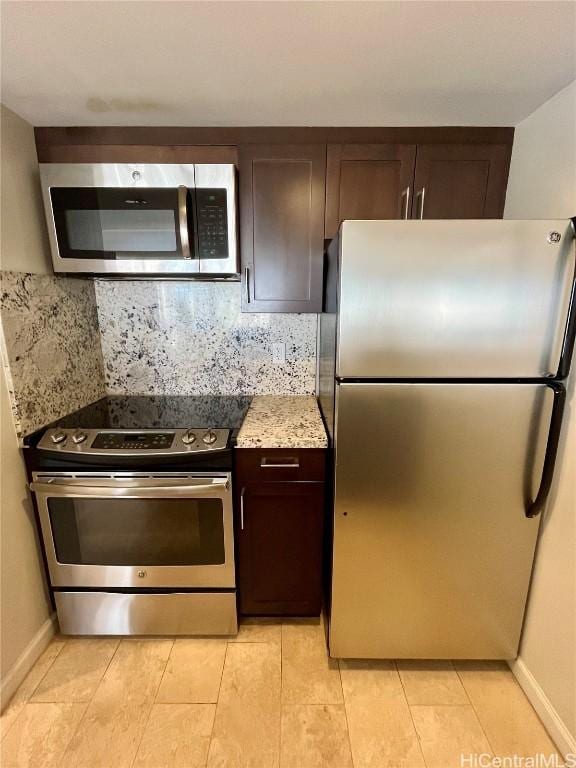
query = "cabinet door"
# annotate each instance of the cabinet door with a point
(460, 181)
(282, 196)
(368, 181)
(279, 536)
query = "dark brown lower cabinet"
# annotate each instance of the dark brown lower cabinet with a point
(279, 543)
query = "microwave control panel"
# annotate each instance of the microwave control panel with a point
(212, 223)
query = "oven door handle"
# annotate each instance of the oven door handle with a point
(168, 490)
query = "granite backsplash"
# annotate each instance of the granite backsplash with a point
(51, 346)
(180, 338)
(68, 341)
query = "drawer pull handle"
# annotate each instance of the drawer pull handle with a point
(290, 462)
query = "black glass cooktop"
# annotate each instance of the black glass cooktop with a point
(160, 412)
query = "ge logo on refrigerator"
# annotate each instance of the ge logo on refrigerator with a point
(554, 237)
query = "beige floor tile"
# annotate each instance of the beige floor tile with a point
(40, 735)
(107, 737)
(193, 672)
(314, 736)
(176, 736)
(433, 683)
(247, 724)
(308, 675)
(446, 733)
(259, 631)
(135, 672)
(309, 621)
(29, 685)
(77, 671)
(510, 723)
(382, 733)
(111, 730)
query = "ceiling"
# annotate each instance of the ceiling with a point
(284, 63)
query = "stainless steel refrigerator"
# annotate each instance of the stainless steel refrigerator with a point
(443, 350)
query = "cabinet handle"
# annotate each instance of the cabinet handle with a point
(406, 194)
(242, 508)
(290, 462)
(247, 284)
(422, 195)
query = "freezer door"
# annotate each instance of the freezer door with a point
(453, 299)
(432, 548)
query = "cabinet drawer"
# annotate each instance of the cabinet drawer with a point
(280, 464)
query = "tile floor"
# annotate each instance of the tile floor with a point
(270, 698)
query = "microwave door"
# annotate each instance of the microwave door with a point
(124, 230)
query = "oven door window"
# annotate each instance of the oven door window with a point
(133, 532)
(115, 223)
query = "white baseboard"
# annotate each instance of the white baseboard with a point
(558, 731)
(16, 674)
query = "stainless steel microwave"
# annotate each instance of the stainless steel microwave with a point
(128, 220)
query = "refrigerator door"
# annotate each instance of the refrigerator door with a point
(453, 299)
(432, 547)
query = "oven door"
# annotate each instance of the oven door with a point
(136, 530)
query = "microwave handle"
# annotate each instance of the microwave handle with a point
(183, 221)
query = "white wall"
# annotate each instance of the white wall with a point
(543, 185)
(25, 607)
(24, 240)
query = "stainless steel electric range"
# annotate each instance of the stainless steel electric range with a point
(134, 502)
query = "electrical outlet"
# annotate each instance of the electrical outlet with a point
(279, 352)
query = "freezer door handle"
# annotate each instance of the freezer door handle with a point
(570, 332)
(535, 507)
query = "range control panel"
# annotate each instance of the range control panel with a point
(122, 442)
(138, 441)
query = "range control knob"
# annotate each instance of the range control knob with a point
(188, 437)
(210, 437)
(79, 437)
(58, 437)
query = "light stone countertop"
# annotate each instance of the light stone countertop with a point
(282, 421)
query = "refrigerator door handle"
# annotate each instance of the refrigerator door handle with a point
(570, 332)
(535, 507)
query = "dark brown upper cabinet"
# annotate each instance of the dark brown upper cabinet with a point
(431, 181)
(368, 181)
(282, 198)
(460, 181)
